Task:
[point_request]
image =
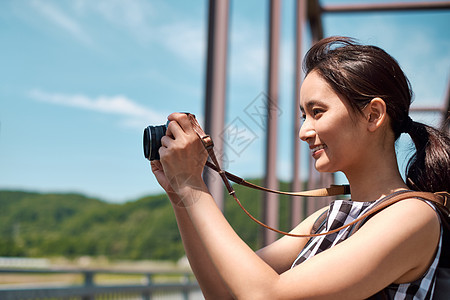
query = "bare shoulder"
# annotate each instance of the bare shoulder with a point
(415, 213)
(407, 219)
(407, 234)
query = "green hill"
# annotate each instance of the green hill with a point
(71, 225)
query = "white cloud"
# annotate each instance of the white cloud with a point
(134, 113)
(180, 34)
(131, 15)
(185, 39)
(62, 20)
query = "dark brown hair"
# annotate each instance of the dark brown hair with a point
(363, 72)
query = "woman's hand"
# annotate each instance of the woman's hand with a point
(182, 156)
(158, 171)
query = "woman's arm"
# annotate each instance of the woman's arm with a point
(279, 255)
(382, 252)
(207, 276)
(391, 247)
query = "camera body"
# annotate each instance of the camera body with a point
(152, 140)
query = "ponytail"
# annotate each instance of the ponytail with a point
(429, 168)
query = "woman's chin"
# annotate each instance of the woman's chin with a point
(324, 167)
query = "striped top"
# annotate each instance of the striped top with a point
(342, 212)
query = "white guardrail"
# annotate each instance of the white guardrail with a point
(176, 285)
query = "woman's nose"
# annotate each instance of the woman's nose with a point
(306, 131)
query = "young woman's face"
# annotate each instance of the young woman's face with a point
(333, 131)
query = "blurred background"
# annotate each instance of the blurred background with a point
(80, 80)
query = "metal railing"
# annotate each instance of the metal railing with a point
(152, 286)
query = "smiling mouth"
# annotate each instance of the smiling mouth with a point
(317, 149)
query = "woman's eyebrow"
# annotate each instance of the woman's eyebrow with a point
(309, 105)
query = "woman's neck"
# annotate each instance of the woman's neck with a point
(379, 176)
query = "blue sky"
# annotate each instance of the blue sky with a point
(81, 79)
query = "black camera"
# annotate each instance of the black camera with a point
(152, 140)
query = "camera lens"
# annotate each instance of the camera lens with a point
(152, 141)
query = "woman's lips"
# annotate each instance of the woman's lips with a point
(317, 150)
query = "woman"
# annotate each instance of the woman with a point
(355, 101)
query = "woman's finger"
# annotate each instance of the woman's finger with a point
(156, 165)
(174, 130)
(166, 141)
(183, 121)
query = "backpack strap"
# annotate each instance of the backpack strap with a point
(440, 200)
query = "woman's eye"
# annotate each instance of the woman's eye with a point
(303, 117)
(316, 112)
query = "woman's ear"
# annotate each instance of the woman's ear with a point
(375, 113)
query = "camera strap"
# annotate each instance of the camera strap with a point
(441, 200)
(333, 190)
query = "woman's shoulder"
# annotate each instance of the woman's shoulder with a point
(406, 211)
(408, 230)
(405, 218)
(412, 211)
